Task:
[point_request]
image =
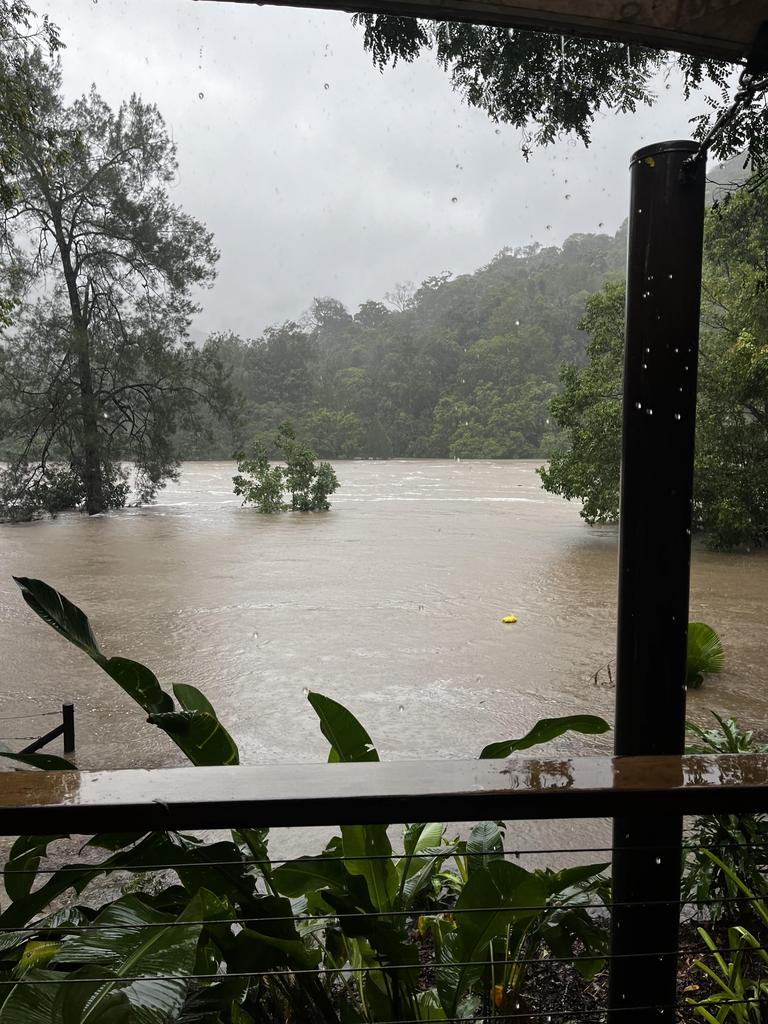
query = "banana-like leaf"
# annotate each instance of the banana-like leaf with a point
(490, 901)
(545, 730)
(63, 616)
(309, 874)
(364, 841)
(132, 939)
(485, 843)
(348, 739)
(23, 861)
(46, 762)
(195, 729)
(37, 954)
(200, 735)
(705, 654)
(140, 683)
(30, 1003)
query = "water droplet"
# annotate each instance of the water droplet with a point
(647, 349)
(401, 708)
(305, 691)
(255, 636)
(658, 860)
(567, 195)
(640, 210)
(645, 366)
(549, 227)
(201, 95)
(677, 350)
(454, 199)
(686, 369)
(649, 412)
(638, 405)
(326, 87)
(459, 167)
(677, 416)
(601, 224)
(517, 323)
(670, 276)
(497, 132)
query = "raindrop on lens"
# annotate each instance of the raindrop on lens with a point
(201, 95)
(401, 708)
(454, 199)
(497, 132)
(567, 195)
(638, 405)
(326, 87)
(658, 860)
(677, 416)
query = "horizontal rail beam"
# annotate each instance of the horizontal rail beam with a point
(724, 29)
(397, 791)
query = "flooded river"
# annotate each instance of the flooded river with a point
(391, 603)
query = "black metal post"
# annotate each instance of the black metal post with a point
(68, 720)
(663, 298)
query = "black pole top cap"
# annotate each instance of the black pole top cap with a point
(674, 146)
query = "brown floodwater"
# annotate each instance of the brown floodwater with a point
(390, 603)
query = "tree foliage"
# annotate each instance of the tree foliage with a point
(264, 485)
(465, 368)
(101, 370)
(731, 470)
(550, 85)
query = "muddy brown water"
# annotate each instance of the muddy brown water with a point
(390, 603)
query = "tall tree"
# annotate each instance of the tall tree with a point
(548, 85)
(731, 468)
(102, 370)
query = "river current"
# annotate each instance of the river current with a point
(390, 603)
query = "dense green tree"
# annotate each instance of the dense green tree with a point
(549, 85)
(731, 471)
(103, 370)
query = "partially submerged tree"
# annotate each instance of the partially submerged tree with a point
(102, 370)
(266, 486)
(548, 85)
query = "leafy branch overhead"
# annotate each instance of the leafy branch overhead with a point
(550, 85)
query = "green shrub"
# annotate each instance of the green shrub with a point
(266, 486)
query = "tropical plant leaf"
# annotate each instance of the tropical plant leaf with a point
(491, 900)
(705, 654)
(200, 735)
(545, 730)
(191, 699)
(23, 861)
(63, 616)
(130, 939)
(348, 739)
(485, 843)
(140, 683)
(309, 874)
(371, 841)
(30, 1003)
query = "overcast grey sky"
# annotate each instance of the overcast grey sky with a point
(320, 176)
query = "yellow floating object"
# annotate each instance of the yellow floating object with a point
(509, 618)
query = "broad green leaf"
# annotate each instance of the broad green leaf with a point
(32, 1004)
(199, 735)
(503, 892)
(37, 954)
(545, 730)
(485, 843)
(140, 683)
(123, 946)
(20, 869)
(361, 842)
(191, 699)
(309, 874)
(348, 739)
(45, 762)
(704, 654)
(429, 1006)
(65, 617)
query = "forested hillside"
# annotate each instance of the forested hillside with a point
(458, 367)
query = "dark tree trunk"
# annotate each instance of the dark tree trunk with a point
(91, 454)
